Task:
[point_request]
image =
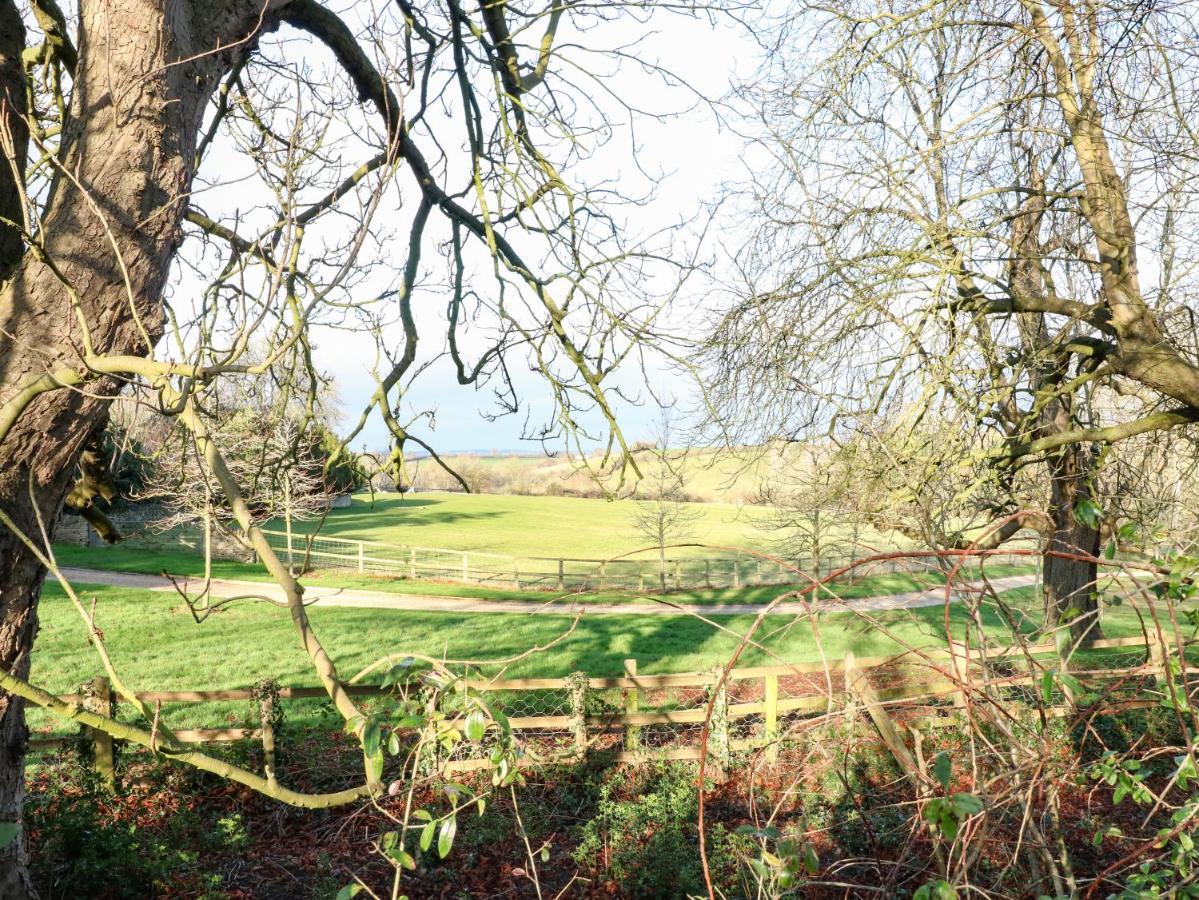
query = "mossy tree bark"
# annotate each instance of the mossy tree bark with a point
(92, 283)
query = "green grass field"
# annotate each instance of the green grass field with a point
(156, 644)
(155, 562)
(527, 526)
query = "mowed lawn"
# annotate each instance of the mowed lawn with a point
(156, 644)
(156, 562)
(529, 526)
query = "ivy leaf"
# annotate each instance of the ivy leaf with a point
(403, 858)
(811, 861)
(967, 804)
(371, 738)
(476, 725)
(943, 769)
(1071, 683)
(445, 838)
(1185, 775)
(948, 824)
(426, 836)
(935, 890)
(1088, 512)
(760, 869)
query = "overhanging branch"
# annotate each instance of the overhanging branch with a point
(1160, 421)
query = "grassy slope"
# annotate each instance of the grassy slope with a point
(717, 476)
(156, 644)
(154, 562)
(525, 526)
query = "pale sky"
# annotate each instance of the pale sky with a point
(691, 156)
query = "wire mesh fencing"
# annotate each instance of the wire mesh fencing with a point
(715, 713)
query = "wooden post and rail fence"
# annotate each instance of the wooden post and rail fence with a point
(931, 685)
(561, 573)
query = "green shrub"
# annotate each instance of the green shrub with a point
(86, 844)
(644, 838)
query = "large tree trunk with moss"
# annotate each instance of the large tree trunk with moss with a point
(12, 120)
(1070, 594)
(1069, 583)
(144, 74)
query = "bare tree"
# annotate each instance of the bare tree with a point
(181, 189)
(663, 515)
(819, 496)
(274, 459)
(953, 201)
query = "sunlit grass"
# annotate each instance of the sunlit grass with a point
(157, 645)
(155, 562)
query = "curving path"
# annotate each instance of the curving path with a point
(331, 596)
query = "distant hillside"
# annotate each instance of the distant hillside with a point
(711, 476)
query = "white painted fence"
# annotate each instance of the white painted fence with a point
(552, 572)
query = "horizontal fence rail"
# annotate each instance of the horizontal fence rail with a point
(551, 573)
(634, 717)
(547, 573)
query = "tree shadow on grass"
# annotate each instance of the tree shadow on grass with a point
(369, 521)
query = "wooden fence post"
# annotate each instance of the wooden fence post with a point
(1157, 657)
(858, 684)
(736, 571)
(290, 561)
(412, 563)
(578, 683)
(770, 708)
(632, 733)
(268, 714)
(678, 575)
(718, 725)
(707, 572)
(99, 700)
(561, 575)
(516, 574)
(361, 557)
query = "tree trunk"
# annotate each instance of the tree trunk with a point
(1070, 583)
(143, 79)
(12, 121)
